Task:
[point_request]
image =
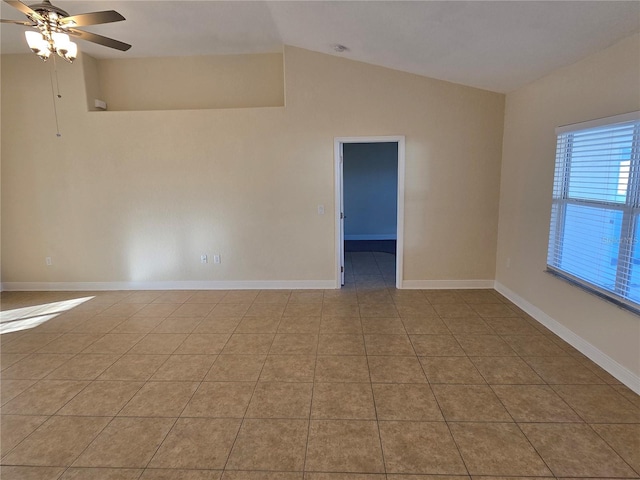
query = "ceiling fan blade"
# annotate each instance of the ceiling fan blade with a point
(94, 18)
(99, 39)
(25, 9)
(18, 22)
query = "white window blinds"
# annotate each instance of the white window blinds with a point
(594, 237)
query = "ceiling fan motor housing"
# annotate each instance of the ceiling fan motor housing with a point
(46, 7)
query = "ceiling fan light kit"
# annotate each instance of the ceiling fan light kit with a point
(52, 27)
(44, 45)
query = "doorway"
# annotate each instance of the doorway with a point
(369, 210)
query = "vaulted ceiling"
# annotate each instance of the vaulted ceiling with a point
(495, 45)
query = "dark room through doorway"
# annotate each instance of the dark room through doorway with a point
(370, 205)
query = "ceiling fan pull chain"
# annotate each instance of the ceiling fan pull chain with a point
(55, 69)
(53, 97)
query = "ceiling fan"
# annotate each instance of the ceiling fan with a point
(53, 26)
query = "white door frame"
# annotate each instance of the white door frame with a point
(338, 143)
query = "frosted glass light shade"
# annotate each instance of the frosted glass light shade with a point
(43, 45)
(72, 51)
(60, 40)
(36, 41)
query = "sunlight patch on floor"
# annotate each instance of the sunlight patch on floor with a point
(30, 317)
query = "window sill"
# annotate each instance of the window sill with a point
(594, 291)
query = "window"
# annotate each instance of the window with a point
(594, 239)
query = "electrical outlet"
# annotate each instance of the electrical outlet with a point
(508, 262)
(320, 209)
(216, 258)
(48, 261)
(203, 259)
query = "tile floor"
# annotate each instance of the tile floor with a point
(363, 383)
(369, 269)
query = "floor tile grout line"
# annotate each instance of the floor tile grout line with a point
(25, 438)
(533, 422)
(633, 469)
(444, 418)
(546, 464)
(313, 389)
(509, 413)
(375, 406)
(216, 359)
(34, 351)
(503, 406)
(255, 386)
(112, 418)
(172, 426)
(520, 430)
(54, 414)
(554, 390)
(97, 435)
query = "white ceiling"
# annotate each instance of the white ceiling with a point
(495, 45)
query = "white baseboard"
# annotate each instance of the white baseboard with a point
(620, 372)
(447, 284)
(178, 285)
(383, 236)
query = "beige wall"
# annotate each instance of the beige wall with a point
(92, 81)
(604, 84)
(198, 82)
(138, 196)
